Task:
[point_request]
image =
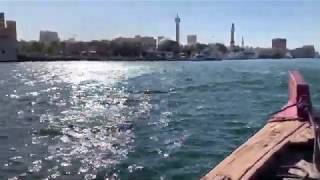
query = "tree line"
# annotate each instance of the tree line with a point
(129, 47)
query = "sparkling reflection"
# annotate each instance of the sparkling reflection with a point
(85, 120)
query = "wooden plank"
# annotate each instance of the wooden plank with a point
(289, 125)
(301, 135)
(250, 156)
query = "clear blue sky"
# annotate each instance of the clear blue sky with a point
(258, 21)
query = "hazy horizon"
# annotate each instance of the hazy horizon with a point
(257, 22)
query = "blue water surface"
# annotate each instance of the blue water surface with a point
(135, 120)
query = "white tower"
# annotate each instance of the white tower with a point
(232, 36)
(242, 42)
(177, 20)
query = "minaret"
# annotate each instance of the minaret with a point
(242, 42)
(232, 36)
(177, 20)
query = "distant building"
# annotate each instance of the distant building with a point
(148, 43)
(8, 39)
(75, 47)
(48, 37)
(192, 39)
(272, 53)
(279, 43)
(304, 52)
(177, 21)
(168, 45)
(232, 35)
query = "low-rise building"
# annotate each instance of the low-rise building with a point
(48, 37)
(8, 39)
(307, 51)
(148, 43)
(272, 53)
(75, 48)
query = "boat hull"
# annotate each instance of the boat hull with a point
(275, 145)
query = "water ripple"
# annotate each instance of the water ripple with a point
(137, 120)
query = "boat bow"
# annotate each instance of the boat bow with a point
(271, 145)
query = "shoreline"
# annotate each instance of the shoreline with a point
(127, 59)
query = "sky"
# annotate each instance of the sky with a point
(258, 21)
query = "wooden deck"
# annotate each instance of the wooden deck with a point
(245, 161)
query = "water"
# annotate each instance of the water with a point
(135, 120)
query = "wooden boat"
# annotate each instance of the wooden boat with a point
(285, 148)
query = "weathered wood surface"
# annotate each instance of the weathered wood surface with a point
(253, 154)
(289, 125)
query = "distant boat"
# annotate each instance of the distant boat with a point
(201, 57)
(246, 54)
(287, 147)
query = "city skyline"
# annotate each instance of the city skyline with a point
(257, 22)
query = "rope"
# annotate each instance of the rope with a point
(283, 109)
(306, 107)
(300, 105)
(316, 144)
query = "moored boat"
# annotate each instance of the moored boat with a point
(287, 147)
